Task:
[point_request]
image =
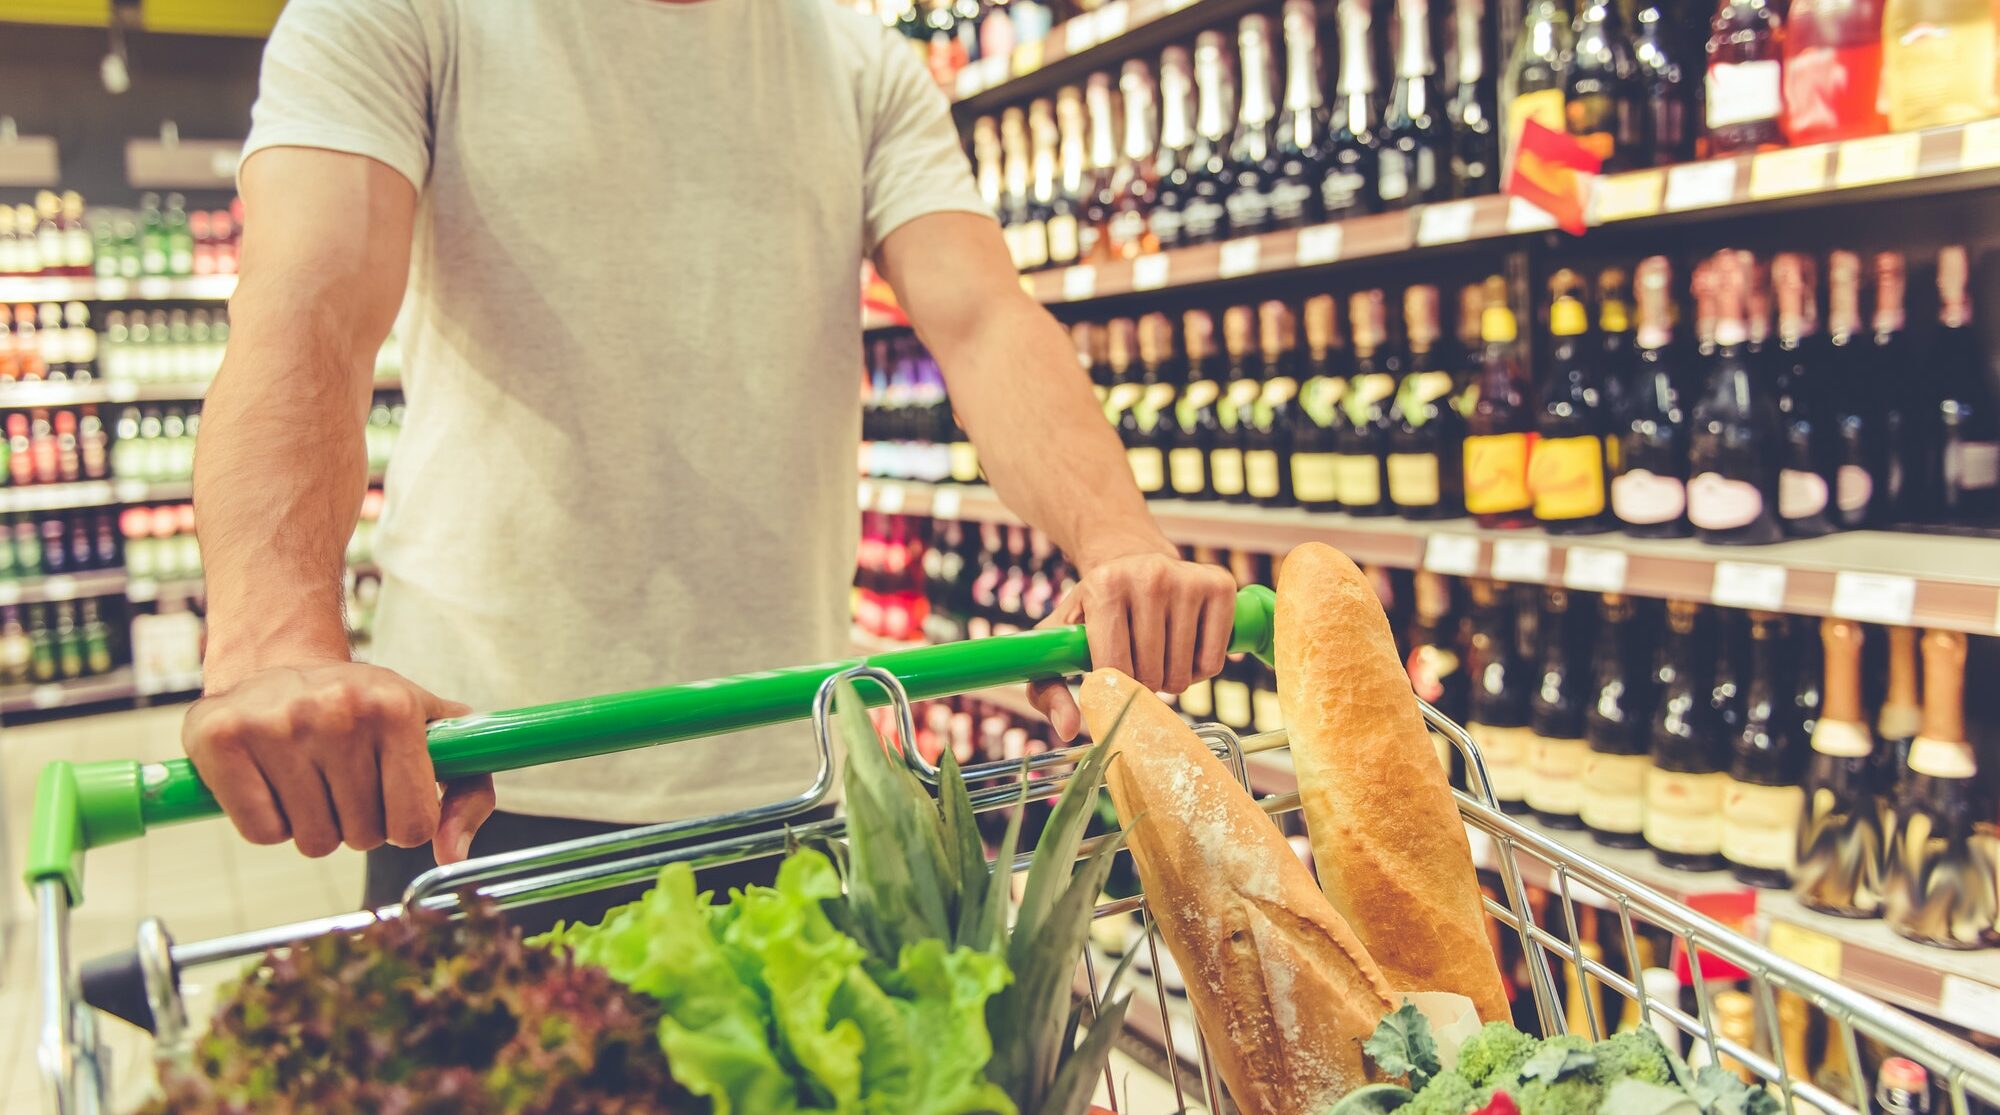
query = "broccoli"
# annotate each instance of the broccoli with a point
(1448, 1093)
(1494, 1054)
(1572, 1095)
(1635, 1055)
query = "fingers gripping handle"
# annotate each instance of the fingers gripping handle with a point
(85, 805)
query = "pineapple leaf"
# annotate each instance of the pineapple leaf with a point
(966, 857)
(1055, 855)
(1070, 1094)
(991, 928)
(897, 881)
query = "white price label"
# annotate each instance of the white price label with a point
(1239, 257)
(141, 591)
(1525, 216)
(1969, 1002)
(864, 495)
(890, 501)
(944, 503)
(1149, 272)
(46, 696)
(1112, 19)
(1079, 283)
(1079, 34)
(1454, 555)
(1980, 146)
(1590, 569)
(1884, 158)
(1874, 597)
(1521, 559)
(1747, 584)
(1701, 185)
(59, 588)
(1450, 223)
(130, 491)
(10, 592)
(1318, 244)
(121, 392)
(154, 288)
(1622, 197)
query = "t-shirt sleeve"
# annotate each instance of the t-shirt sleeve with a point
(915, 164)
(351, 76)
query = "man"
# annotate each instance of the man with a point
(631, 232)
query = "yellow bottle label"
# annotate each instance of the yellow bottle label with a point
(964, 462)
(1555, 775)
(1496, 473)
(1760, 825)
(1614, 791)
(1148, 468)
(1225, 470)
(1359, 480)
(1544, 107)
(1260, 473)
(1937, 73)
(1684, 811)
(1413, 479)
(1566, 476)
(1315, 478)
(1505, 752)
(1184, 470)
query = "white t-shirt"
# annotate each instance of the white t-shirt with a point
(631, 343)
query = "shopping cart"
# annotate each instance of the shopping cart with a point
(80, 806)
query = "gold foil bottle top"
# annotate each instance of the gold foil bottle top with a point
(1954, 309)
(1944, 686)
(1420, 316)
(1156, 339)
(1843, 293)
(1274, 328)
(1840, 695)
(1652, 285)
(1681, 616)
(1471, 301)
(1567, 317)
(1083, 335)
(1322, 323)
(1496, 320)
(1042, 121)
(1238, 322)
(1198, 332)
(1485, 592)
(1889, 278)
(1124, 339)
(1614, 314)
(1366, 314)
(1788, 284)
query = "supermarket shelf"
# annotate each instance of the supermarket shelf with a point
(1927, 580)
(63, 586)
(1096, 40)
(62, 393)
(1941, 160)
(141, 590)
(118, 685)
(1013, 698)
(154, 288)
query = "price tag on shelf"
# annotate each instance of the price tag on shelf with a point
(1525, 216)
(46, 696)
(1521, 559)
(1454, 555)
(1980, 146)
(1318, 244)
(1112, 19)
(1787, 173)
(1027, 58)
(1747, 584)
(1593, 570)
(864, 495)
(10, 593)
(151, 288)
(1079, 34)
(1883, 158)
(1874, 597)
(944, 503)
(1969, 1002)
(1624, 197)
(890, 501)
(121, 392)
(1809, 947)
(59, 588)
(1450, 223)
(1079, 282)
(1701, 185)
(1149, 272)
(1239, 257)
(142, 591)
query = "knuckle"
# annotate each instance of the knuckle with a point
(316, 845)
(262, 830)
(221, 729)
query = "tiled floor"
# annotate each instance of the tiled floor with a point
(203, 881)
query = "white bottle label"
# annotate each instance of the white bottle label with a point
(1614, 791)
(1716, 502)
(1642, 497)
(1973, 464)
(1506, 755)
(1684, 811)
(1760, 825)
(1740, 92)
(1801, 494)
(1853, 488)
(1555, 776)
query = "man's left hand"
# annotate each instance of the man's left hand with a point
(1163, 621)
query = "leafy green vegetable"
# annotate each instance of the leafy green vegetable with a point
(1495, 1054)
(1402, 1046)
(1552, 1062)
(1634, 1054)
(1637, 1097)
(1721, 1092)
(1572, 1095)
(1448, 1093)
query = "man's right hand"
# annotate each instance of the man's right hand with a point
(332, 752)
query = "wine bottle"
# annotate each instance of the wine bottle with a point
(1267, 435)
(1470, 117)
(1436, 669)
(1806, 464)
(1938, 62)
(1155, 407)
(1533, 86)
(1042, 145)
(1733, 446)
(1302, 125)
(1685, 787)
(1133, 184)
(1239, 394)
(1425, 463)
(1736, 1020)
(1940, 885)
(1123, 402)
(1897, 722)
(1500, 430)
(1617, 728)
(1315, 430)
(1414, 150)
(1668, 75)
(1556, 715)
(1066, 211)
(1348, 187)
(1839, 868)
(1253, 151)
(1204, 213)
(1200, 410)
(1094, 233)
(1498, 711)
(1567, 463)
(1745, 89)
(1851, 402)
(1364, 436)
(1968, 452)
(1833, 70)
(1602, 91)
(1761, 810)
(1173, 176)
(1726, 691)
(1026, 241)
(1899, 495)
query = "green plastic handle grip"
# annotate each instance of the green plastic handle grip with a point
(86, 805)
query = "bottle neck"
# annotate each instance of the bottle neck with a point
(1138, 121)
(1174, 96)
(1357, 61)
(1103, 131)
(1258, 108)
(1470, 19)
(1301, 67)
(1413, 59)
(1212, 112)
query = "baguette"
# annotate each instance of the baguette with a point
(1279, 984)
(1386, 834)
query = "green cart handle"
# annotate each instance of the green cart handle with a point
(79, 806)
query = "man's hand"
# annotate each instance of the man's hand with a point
(330, 753)
(1164, 621)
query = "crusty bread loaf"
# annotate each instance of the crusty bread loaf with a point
(1279, 984)
(1387, 838)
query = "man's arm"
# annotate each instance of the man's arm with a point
(295, 739)
(1019, 393)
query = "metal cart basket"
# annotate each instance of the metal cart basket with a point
(79, 806)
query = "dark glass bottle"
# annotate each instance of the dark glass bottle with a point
(1101, 204)
(1684, 790)
(1745, 86)
(1806, 466)
(1556, 715)
(1734, 446)
(1471, 119)
(1267, 434)
(1173, 181)
(1497, 714)
(1617, 727)
(1760, 811)
(1239, 395)
(1968, 449)
(1204, 212)
(1567, 464)
(1899, 497)
(1364, 437)
(1851, 402)
(1348, 187)
(1253, 150)
(1436, 663)
(1147, 449)
(1302, 124)
(1839, 868)
(1668, 80)
(1940, 888)
(1725, 691)
(1199, 410)
(1426, 468)
(1533, 86)
(1124, 402)
(1603, 95)
(1897, 721)
(1414, 156)
(1500, 428)
(1133, 183)
(1318, 417)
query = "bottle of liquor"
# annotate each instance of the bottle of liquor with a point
(1426, 467)
(1839, 868)
(1806, 465)
(1533, 86)
(1899, 497)
(1968, 453)
(1471, 350)
(1437, 672)
(1072, 185)
(1937, 62)
(1134, 181)
(1500, 430)
(1415, 149)
(1364, 436)
(1267, 435)
(1902, 1087)
(1667, 75)
(1316, 431)
(1940, 889)
(1140, 425)
(1567, 464)
(1745, 89)
(1475, 144)
(1498, 710)
(1725, 695)
(1253, 151)
(1302, 125)
(1761, 811)
(1197, 411)
(1094, 233)
(1603, 94)
(1122, 402)
(1851, 401)
(1027, 242)
(1898, 720)
(1556, 716)
(1348, 186)
(1684, 790)
(1833, 70)
(1173, 175)
(1617, 729)
(1166, 374)
(1204, 212)
(1042, 144)
(1835, 1072)
(1733, 451)
(1239, 393)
